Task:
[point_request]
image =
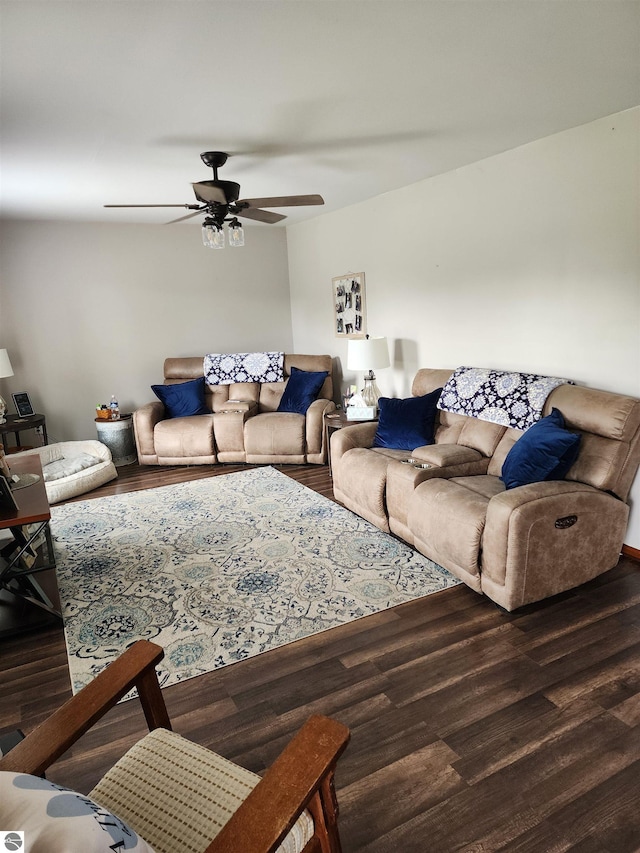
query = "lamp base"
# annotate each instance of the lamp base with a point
(370, 392)
(3, 411)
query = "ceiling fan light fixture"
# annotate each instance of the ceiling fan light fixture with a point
(236, 233)
(212, 234)
(219, 198)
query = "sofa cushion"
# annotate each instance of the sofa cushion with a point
(545, 451)
(301, 390)
(277, 434)
(185, 437)
(406, 424)
(182, 399)
(447, 520)
(446, 455)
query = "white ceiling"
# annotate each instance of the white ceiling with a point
(113, 101)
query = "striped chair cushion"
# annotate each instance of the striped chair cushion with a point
(178, 795)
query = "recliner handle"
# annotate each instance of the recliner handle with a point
(565, 522)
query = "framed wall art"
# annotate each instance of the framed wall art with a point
(349, 309)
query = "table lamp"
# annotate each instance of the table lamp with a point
(5, 371)
(368, 354)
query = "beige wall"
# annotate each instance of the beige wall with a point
(90, 310)
(525, 261)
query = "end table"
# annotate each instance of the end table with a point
(17, 424)
(338, 420)
(117, 434)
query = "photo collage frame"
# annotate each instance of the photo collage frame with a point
(349, 314)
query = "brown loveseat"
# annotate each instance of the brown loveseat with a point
(243, 424)
(516, 546)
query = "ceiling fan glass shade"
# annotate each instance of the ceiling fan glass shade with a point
(236, 233)
(212, 235)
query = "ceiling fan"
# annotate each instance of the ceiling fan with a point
(219, 201)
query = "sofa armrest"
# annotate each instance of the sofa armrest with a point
(349, 437)
(144, 422)
(544, 538)
(314, 427)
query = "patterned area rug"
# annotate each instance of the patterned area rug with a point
(221, 569)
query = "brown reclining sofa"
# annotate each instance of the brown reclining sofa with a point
(516, 546)
(243, 425)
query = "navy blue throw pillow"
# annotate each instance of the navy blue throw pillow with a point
(182, 399)
(406, 424)
(546, 451)
(302, 388)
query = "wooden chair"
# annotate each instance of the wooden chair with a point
(298, 786)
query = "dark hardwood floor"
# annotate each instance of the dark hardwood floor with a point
(472, 729)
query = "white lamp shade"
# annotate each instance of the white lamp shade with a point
(367, 354)
(5, 364)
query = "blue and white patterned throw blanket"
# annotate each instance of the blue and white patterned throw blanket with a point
(509, 399)
(227, 368)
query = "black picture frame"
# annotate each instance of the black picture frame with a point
(7, 501)
(23, 404)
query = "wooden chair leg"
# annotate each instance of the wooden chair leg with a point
(323, 808)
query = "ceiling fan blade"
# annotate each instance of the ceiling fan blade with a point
(182, 218)
(209, 194)
(260, 215)
(146, 205)
(283, 201)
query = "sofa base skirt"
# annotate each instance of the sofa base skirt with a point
(187, 460)
(260, 459)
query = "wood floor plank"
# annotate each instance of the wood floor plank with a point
(607, 813)
(472, 728)
(600, 667)
(490, 732)
(416, 782)
(522, 795)
(385, 739)
(418, 637)
(520, 741)
(628, 711)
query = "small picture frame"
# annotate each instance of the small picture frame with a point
(7, 501)
(23, 404)
(349, 315)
